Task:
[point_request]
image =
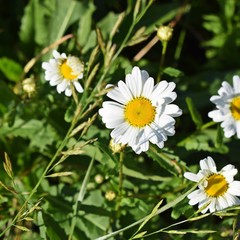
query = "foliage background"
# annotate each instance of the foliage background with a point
(203, 52)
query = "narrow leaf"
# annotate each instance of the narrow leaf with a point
(173, 72)
(139, 235)
(196, 117)
(60, 174)
(11, 69)
(8, 166)
(150, 215)
(22, 228)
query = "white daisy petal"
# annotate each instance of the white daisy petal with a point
(138, 116)
(62, 86)
(234, 188)
(148, 87)
(63, 70)
(208, 164)
(78, 86)
(228, 108)
(68, 92)
(236, 84)
(218, 188)
(191, 176)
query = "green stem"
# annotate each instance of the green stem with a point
(164, 49)
(120, 186)
(79, 200)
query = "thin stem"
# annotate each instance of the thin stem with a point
(79, 200)
(164, 49)
(120, 185)
(145, 49)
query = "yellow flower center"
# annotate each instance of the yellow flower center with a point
(140, 112)
(66, 71)
(235, 108)
(217, 185)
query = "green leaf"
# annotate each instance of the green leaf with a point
(54, 230)
(139, 235)
(22, 228)
(165, 160)
(203, 140)
(213, 23)
(137, 173)
(35, 21)
(66, 12)
(68, 116)
(42, 227)
(11, 69)
(39, 134)
(85, 25)
(151, 215)
(107, 23)
(196, 117)
(173, 72)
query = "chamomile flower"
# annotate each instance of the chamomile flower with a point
(140, 112)
(62, 71)
(217, 189)
(228, 107)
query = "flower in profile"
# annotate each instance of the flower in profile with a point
(141, 112)
(217, 190)
(62, 71)
(228, 107)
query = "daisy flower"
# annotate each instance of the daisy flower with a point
(228, 107)
(217, 190)
(140, 112)
(62, 71)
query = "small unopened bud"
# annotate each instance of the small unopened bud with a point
(110, 195)
(29, 86)
(165, 33)
(116, 147)
(98, 178)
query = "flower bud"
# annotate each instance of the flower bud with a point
(98, 178)
(110, 195)
(116, 147)
(165, 33)
(29, 86)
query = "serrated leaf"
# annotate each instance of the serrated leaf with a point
(39, 134)
(203, 140)
(11, 69)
